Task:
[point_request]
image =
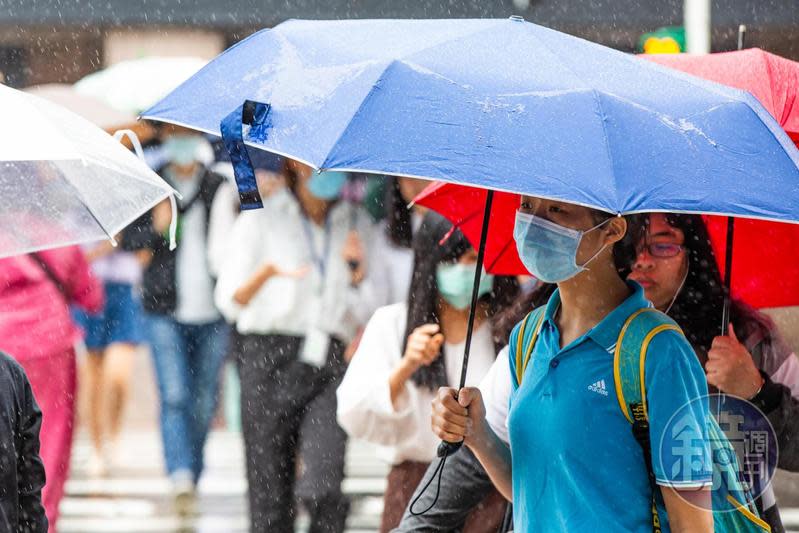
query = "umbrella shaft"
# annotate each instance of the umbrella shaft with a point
(476, 287)
(725, 315)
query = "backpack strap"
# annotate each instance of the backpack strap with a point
(629, 364)
(524, 349)
(629, 359)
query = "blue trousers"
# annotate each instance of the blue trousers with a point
(187, 359)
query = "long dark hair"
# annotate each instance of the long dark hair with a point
(437, 242)
(398, 217)
(699, 305)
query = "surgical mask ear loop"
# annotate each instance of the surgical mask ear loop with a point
(584, 266)
(682, 283)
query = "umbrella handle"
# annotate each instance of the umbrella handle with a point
(445, 449)
(134, 140)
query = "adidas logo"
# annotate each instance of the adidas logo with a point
(599, 387)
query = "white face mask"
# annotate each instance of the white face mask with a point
(549, 250)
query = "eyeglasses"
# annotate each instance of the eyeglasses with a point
(662, 250)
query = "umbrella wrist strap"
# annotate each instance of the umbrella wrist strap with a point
(254, 115)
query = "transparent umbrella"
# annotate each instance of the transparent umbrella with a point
(134, 85)
(63, 180)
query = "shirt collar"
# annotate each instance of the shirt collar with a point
(607, 331)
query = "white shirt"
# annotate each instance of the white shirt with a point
(224, 211)
(195, 288)
(496, 389)
(365, 409)
(278, 234)
(391, 268)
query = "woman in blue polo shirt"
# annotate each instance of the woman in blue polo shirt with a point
(573, 462)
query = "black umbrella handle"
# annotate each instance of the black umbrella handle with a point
(725, 314)
(446, 449)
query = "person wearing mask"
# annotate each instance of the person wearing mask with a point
(112, 340)
(410, 349)
(21, 508)
(676, 266)
(551, 468)
(186, 332)
(37, 330)
(294, 283)
(464, 483)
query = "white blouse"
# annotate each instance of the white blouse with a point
(286, 305)
(365, 409)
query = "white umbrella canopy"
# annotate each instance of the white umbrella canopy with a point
(137, 84)
(63, 180)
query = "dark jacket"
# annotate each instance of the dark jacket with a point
(21, 468)
(159, 284)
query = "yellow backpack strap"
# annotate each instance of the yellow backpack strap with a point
(629, 364)
(524, 346)
(629, 359)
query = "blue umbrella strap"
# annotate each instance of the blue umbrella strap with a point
(254, 115)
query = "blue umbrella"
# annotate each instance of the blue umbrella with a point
(500, 104)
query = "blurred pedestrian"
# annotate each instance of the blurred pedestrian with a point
(393, 251)
(409, 349)
(37, 330)
(225, 210)
(21, 509)
(464, 483)
(186, 333)
(295, 285)
(112, 339)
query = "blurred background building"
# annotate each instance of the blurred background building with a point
(46, 41)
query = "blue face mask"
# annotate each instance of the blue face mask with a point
(327, 185)
(455, 282)
(182, 149)
(548, 250)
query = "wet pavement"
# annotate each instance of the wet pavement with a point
(136, 497)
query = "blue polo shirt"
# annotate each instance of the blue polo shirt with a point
(576, 465)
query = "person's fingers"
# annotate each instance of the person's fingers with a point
(445, 436)
(469, 395)
(414, 355)
(437, 340)
(418, 345)
(731, 333)
(431, 350)
(723, 350)
(713, 379)
(452, 422)
(427, 329)
(446, 398)
(713, 367)
(301, 272)
(721, 342)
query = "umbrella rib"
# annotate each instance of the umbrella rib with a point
(597, 99)
(87, 207)
(388, 67)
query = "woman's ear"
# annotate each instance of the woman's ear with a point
(616, 230)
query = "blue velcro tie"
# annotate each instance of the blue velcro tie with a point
(254, 115)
